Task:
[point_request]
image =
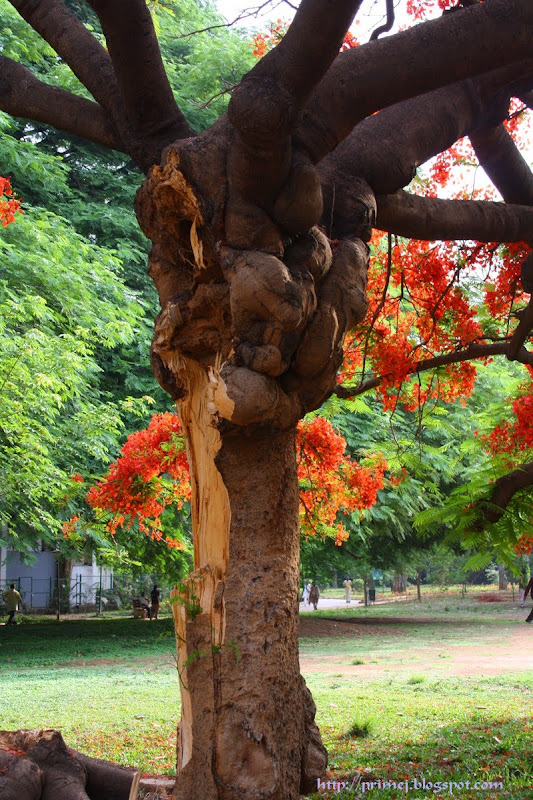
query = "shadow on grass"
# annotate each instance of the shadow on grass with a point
(47, 643)
(471, 756)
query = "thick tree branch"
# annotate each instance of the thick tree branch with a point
(71, 40)
(410, 133)
(521, 333)
(429, 218)
(504, 164)
(268, 102)
(470, 353)
(273, 190)
(505, 489)
(23, 95)
(428, 56)
(150, 106)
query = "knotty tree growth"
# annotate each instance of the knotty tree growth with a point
(259, 229)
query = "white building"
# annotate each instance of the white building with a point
(37, 582)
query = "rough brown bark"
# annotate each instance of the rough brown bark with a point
(431, 218)
(504, 164)
(23, 95)
(410, 133)
(392, 69)
(140, 75)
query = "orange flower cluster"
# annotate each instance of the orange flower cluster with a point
(151, 473)
(418, 310)
(69, 526)
(263, 42)
(349, 42)
(525, 544)
(514, 437)
(9, 206)
(424, 9)
(330, 482)
(503, 291)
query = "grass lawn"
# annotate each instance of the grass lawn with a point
(409, 690)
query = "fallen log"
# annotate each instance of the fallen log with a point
(38, 765)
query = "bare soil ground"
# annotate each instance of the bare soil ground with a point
(513, 652)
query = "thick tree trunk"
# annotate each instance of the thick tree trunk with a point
(502, 578)
(247, 726)
(399, 583)
(249, 339)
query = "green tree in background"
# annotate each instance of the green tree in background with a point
(77, 318)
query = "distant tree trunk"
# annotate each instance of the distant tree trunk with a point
(399, 583)
(418, 582)
(502, 578)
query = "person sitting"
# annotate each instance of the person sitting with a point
(143, 603)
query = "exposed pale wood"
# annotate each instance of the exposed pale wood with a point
(134, 791)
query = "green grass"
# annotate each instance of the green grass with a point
(470, 606)
(111, 686)
(436, 730)
(360, 729)
(123, 707)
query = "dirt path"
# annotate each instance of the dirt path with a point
(511, 653)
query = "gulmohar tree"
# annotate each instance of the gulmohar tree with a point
(259, 230)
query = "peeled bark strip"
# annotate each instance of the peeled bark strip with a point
(247, 718)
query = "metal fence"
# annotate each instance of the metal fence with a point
(82, 593)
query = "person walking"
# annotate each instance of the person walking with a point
(13, 600)
(305, 597)
(155, 596)
(347, 590)
(314, 594)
